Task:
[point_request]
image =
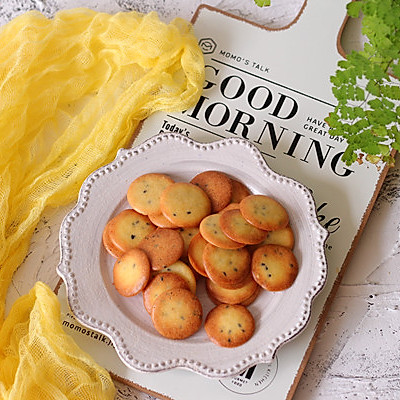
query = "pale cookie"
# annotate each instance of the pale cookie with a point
(195, 254)
(131, 272)
(126, 230)
(274, 267)
(239, 191)
(185, 204)
(229, 325)
(220, 295)
(238, 229)
(185, 272)
(187, 235)
(163, 247)
(218, 187)
(160, 283)
(211, 231)
(283, 237)
(144, 192)
(177, 314)
(227, 268)
(264, 212)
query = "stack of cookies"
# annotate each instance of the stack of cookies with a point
(211, 228)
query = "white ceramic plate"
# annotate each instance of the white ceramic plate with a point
(86, 268)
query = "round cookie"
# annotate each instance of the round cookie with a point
(185, 272)
(229, 325)
(211, 231)
(160, 283)
(161, 221)
(245, 302)
(238, 229)
(126, 230)
(110, 247)
(131, 272)
(274, 267)
(220, 295)
(252, 298)
(195, 254)
(283, 237)
(187, 235)
(264, 212)
(218, 187)
(231, 206)
(163, 247)
(227, 268)
(144, 192)
(185, 204)
(239, 191)
(177, 314)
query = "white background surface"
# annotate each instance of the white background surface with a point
(357, 352)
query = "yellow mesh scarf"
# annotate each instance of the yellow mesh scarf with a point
(40, 361)
(72, 91)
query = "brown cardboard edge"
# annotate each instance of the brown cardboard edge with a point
(141, 388)
(332, 294)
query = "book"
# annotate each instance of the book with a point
(272, 88)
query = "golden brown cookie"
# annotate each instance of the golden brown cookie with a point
(229, 325)
(252, 298)
(238, 229)
(160, 283)
(239, 191)
(144, 192)
(131, 272)
(177, 314)
(227, 268)
(161, 221)
(110, 247)
(231, 206)
(187, 235)
(242, 294)
(274, 267)
(195, 254)
(245, 302)
(126, 230)
(185, 204)
(211, 231)
(163, 247)
(283, 237)
(218, 187)
(264, 212)
(185, 272)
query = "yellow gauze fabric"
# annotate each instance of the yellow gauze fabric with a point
(73, 89)
(40, 361)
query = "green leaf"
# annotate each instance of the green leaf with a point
(396, 146)
(354, 8)
(373, 88)
(263, 3)
(367, 113)
(396, 71)
(375, 104)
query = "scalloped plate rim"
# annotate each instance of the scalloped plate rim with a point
(109, 331)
